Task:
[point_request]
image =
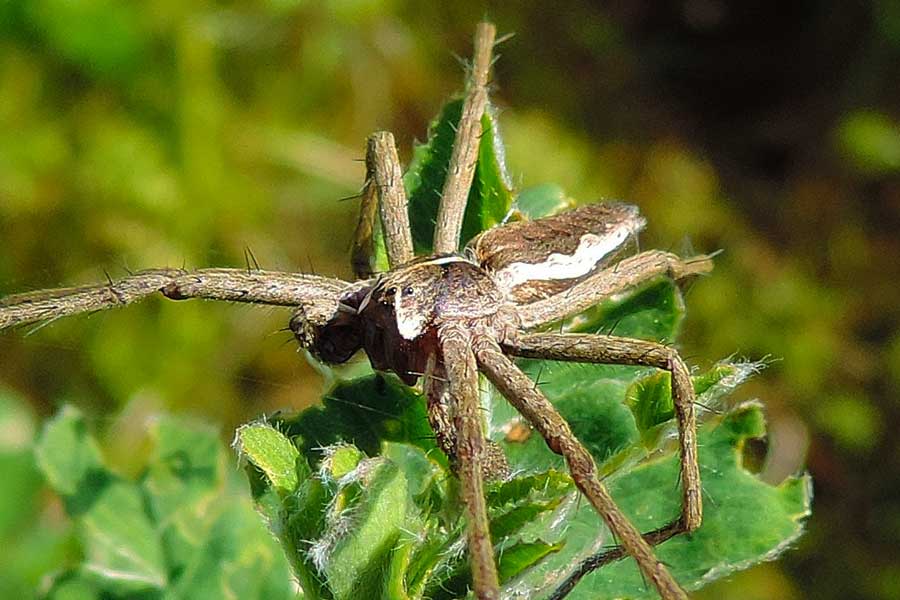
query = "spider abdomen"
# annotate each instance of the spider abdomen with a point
(532, 260)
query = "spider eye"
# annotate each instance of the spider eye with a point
(390, 291)
(408, 291)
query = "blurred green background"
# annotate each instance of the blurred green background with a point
(168, 132)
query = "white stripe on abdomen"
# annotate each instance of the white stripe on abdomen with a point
(591, 249)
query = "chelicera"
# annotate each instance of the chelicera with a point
(443, 319)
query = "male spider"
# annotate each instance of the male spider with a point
(452, 315)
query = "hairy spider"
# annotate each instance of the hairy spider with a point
(455, 314)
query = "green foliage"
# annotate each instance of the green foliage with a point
(542, 201)
(389, 522)
(871, 141)
(238, 127)
(112, 109)
(180, 530)
(30, 547)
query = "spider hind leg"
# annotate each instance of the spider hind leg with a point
(520, 391)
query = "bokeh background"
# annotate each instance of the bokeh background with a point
(175, 132)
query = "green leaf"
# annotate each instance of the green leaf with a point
(73, 586)
(33, 540)
(179, 531)
(66, 454)
(650, 400)
(366, 411)
(745, 520)
(512, 560)
(542, 201)
(518, 558)
(490, 196)
(589, 398)
(517, 502)
(186, 473)
(511, 520)
(17, 465)
(342, 526)
(651, 312)
(707, 382)
(237, 558)
(550, 484)
(360, 537)
(123, 552)
(271, 452)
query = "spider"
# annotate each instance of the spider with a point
(455, 314)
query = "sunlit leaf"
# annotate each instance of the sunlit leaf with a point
(490, 196)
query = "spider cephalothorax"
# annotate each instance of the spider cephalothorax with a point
(396, 318)
(448, 317)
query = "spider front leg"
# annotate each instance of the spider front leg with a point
(626, 351)
(462, 385)
(311, 293)
(464, 155)
(383, 195)
(524, 395)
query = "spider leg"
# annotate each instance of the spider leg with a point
(312, 293)
(362, 254)
(438, 406)
(385, 165)
(494, 464)
(618, 278)
(610, 349)
(462, 384)
(596, 561)
(537, 409)
(619, 350)
(383, 194)
(464, 155)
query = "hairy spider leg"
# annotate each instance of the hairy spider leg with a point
(384, 196)
(464, 155)
(462, 375)
(627, 351)
(521, 392)
(316, 296)
(362, 252)
(616, 279)
(388, 175)
(442, 385)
